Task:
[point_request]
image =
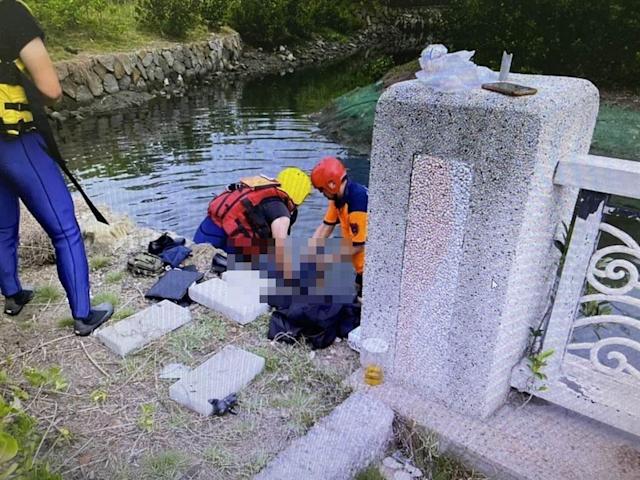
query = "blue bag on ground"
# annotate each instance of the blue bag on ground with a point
(174, 256)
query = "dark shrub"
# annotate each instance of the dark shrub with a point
(173, 18)
(260, 21)
(214, 12)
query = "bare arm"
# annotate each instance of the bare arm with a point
(280, 227)
(323, 231)
(40, 67)
(280, 231)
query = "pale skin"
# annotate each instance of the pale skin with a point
(279, 232)
(36, 59)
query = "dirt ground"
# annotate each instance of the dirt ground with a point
(114, 419)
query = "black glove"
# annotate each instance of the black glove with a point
(227, 404)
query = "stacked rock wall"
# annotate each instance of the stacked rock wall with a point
(90, 78)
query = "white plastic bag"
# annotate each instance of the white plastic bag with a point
(452, 72)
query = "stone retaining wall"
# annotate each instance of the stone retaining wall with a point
(89, 78)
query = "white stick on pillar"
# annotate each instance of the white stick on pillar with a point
(505, 66)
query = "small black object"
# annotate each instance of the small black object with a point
(219, 263)
(226, 405)
(162, 243)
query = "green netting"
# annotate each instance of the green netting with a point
(617, 132)
(350, 117)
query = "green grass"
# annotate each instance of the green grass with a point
(110, 28)
(272, 359)
(302, 406)
(165, 465)
(65, 322)
(108, 297)
(140, 365)
(114, 277)
(220, 458)
(371, 473)
(303, 391)
(99, 262)
(423, 448)
(47, 294)
(195, 337)
(234, 465)
(123, 313)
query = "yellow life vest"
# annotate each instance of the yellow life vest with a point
(15, 114)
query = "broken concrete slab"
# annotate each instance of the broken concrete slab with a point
(352, 437)
(233, 302)
(135, 332)
(174, 371)
(225, 373)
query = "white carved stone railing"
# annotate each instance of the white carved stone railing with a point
(598, 377)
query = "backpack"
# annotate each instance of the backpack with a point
(145, 264)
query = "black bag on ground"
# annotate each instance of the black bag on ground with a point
(174, 285)
(164, 242)
(318, 325)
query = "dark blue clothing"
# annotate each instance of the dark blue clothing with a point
(209, 232)
(28, 173)
(356, 197)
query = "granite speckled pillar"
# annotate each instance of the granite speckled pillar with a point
(463, 212)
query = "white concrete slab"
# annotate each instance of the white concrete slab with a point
(226, 372)
(355, 434)
(137, 331)
(233, 301)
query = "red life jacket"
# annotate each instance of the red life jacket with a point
(236, 212)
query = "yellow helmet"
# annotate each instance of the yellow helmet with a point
(295, 183)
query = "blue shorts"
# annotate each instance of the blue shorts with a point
(209, 232)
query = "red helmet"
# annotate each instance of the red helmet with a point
(329, 170)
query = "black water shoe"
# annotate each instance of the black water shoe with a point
(13, 304)
(219, 263)
(164, 242)
(97, 316)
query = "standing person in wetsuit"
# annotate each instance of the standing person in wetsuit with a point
(29, 172)
(253, 210)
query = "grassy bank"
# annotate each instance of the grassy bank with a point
(79, 411)
(93, 26)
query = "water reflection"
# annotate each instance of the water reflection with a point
(162, 164)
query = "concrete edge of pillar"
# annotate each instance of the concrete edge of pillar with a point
(536, 440)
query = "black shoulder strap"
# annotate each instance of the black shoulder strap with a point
(42, 125)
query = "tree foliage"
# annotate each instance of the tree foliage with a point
(598, 40)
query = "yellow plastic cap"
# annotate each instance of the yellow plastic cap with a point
(295, 183)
